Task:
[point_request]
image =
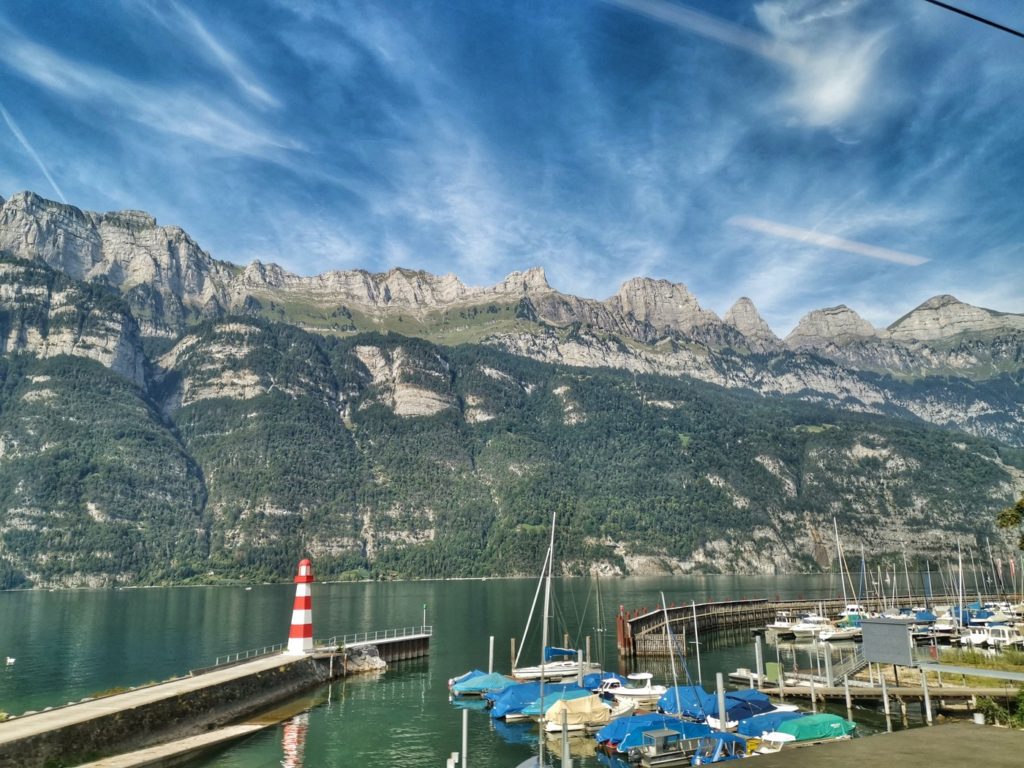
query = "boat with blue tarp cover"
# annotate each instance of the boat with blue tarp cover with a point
(687, 730)
(758, 725)
(465, 676)
(718, 748)
(743, 704)
(480, 684)
(608, 738)
(511, 700)
(690, 701)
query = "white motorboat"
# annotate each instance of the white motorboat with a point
(810, 627)
(731, 725)
(645, 693)
(840, 633)
(555, 670)
(782, 624)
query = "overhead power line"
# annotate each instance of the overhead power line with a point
(975, 17)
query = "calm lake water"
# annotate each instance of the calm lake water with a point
(71, 644)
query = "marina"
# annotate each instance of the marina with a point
(411, 696)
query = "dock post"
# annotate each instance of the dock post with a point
(465, 738)
(512, 661)
(829, 679)
(782, 674)
(927, 703)
(759, 661)
(490, 655)
(885, 702)
(849, 703)
(720, 688)
(566, 756)
(565, 639)
(814, 701)
(588, 648)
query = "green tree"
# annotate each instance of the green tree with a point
(1013, 517)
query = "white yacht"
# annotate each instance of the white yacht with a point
(810, 627)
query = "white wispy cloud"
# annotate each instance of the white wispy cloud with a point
(217, 51)
(30, 150)
(202, 118)
(830, 70)
(825, 240)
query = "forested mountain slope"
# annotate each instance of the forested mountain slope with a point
(167, 417)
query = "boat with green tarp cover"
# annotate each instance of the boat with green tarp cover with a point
(806, 730)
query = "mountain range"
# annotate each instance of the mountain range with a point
(112, 312)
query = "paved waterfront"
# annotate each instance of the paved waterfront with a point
(940, 745)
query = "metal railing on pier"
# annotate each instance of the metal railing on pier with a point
(368, 638)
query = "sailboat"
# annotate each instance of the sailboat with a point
(556, 663)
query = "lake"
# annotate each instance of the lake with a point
(75, 643)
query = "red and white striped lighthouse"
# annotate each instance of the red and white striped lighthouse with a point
(300, 638)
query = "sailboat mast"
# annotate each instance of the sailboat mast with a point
(839, 557)
(671, 654)
(906, 572)
(544, 631)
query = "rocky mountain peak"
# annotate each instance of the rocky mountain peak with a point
(661, 303)
(946, 316)
(533, 280)
(833, 325)
(744, 317)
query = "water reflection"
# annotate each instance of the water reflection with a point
(293, 741)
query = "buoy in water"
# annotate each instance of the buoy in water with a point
(10, 661)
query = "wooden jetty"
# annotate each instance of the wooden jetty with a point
(642, 632)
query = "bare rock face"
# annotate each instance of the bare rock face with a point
(832, 326)
(942, 317)
(393, 374)
(744, 317)
(661, 304)
(46, 315)
(161, 270)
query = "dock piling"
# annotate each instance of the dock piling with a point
(465, 738)
(490, 655)
(885, 702)
(849, 702)
(759, 660)
(926, 704)
(720, 687)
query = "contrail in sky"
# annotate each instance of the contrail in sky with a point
(825, 240)
(28, 148)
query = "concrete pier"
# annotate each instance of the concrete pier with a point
(188, 707)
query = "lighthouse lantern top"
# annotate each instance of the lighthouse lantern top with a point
(305, 574)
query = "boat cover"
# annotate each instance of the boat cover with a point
(719, 747)
(515, 697)
(925, 617)
(559, 654)
(694, 702)
(759, 724)
(687, 730)
(535, 707)
(615, 731)
(465, 676)
(741, 704)
(812, 727)
(584, 710)
(482, 683)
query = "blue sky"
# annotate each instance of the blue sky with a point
(803, 153)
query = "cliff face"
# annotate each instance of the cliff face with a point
(165, 276)
(44, 314)
(833, 355)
